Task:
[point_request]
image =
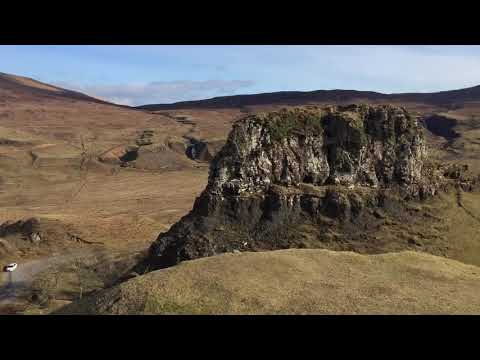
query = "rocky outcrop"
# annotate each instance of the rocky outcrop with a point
(38, 235)
(150, 151)
(371, 146)
(28, 228)
(201, 150)
(312, 167)
(119, 154)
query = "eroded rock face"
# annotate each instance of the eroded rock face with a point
(363, 145)
(201, 150)
(320, 168)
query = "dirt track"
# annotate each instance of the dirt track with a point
(15, 285)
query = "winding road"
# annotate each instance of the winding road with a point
(14, 285)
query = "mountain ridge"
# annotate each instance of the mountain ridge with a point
(296, 97)
(14, 87)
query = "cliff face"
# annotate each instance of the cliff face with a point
(315, 168)
(370, 146)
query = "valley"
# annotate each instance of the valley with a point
(99, 182)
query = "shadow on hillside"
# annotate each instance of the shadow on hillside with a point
(442, 126)
(12, 290)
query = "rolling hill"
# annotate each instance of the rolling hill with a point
(90, 164)
(14, 87)
(440, 99)
(452, 118)
(296, 281)
(94, 172)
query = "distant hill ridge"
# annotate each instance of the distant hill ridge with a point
(442, 98)
(23, 88)
(14, 87)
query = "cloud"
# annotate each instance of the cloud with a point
(160, 92)
(396, 68)
(123, 74)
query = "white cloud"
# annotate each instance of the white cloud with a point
(160, 92)
(396, 68)
(383, 68)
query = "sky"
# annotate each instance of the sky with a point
(138, 75)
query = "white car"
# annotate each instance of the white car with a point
(10, 267)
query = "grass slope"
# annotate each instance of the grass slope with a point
(297, 281)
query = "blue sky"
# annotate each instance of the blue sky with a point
(137, 75)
